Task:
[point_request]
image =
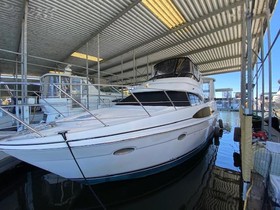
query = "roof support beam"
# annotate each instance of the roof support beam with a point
(221, 69)
(201, 63)
(230, 6)
(142, 77)
(94, 34)
(202, 49)
(220, 59)
(222, 72)
(195, 37)
(216, 46)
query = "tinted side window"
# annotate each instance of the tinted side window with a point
(157, 98)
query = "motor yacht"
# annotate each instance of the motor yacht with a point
(162, 123)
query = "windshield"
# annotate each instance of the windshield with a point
(47, 89)
(176, 67)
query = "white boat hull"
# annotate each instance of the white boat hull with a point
(121, 155)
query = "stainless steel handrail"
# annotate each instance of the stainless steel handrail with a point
(81, 105)
(48, 103)
(140, 103)
(169, 99)
(19, 120)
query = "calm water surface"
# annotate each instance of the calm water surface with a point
(211, 180)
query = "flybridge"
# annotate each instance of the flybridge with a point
(176, 67)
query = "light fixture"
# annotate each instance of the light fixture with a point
(165, 11)
(84, 56)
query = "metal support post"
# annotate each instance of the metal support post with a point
(243, 60)
(249, 57)
(148, 67)
(98, 69)
(122, 73)
(246, 112)
(87, 78)
(262, 63)
(16, 95)
(269, 70)
(257, 89)
(134, 67)
(24, 102)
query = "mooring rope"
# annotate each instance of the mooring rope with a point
(84, 177)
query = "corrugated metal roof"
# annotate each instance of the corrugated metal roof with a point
(211, 35)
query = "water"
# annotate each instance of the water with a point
(211, 180)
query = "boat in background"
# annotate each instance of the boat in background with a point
(62, 94)
(162, 123)
(209, 91)
(7, 123)
(276, 102)
(12, 105)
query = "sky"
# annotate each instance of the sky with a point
(232, 80)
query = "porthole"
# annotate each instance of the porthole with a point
(182, 136)
(124, 151)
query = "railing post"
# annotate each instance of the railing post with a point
(48, 103)
(81, 105)
(21, 121)
(140, 103)
(170, 99)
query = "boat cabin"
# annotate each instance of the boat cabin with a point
(75, 86)
(171, 68)
(208, 88)
(58, 101)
